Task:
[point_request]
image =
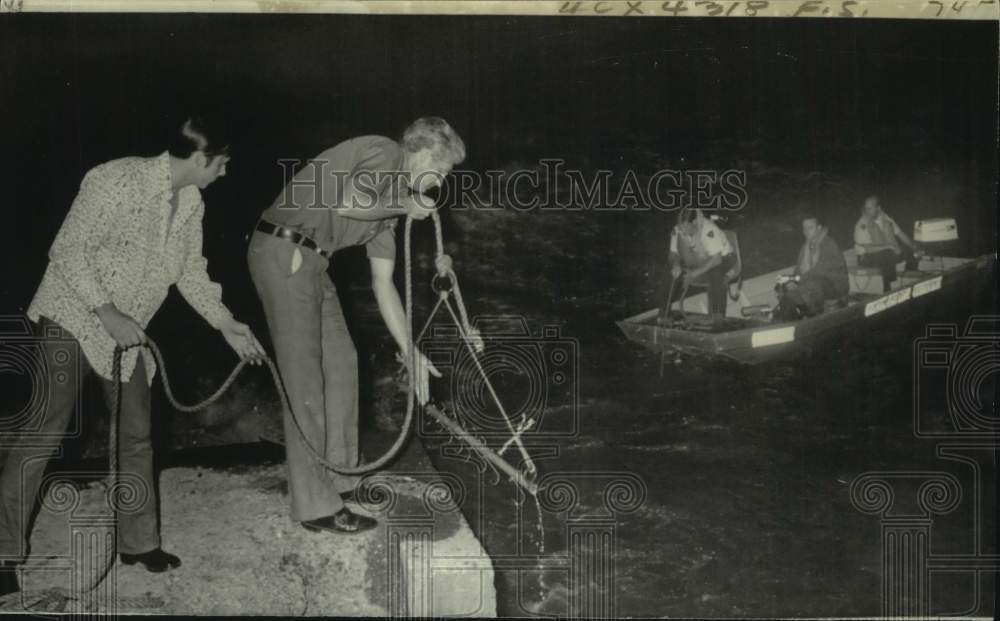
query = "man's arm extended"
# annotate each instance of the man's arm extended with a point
(713, 261)
(391, 308)
(205, 295)
(898, 232)
(870, 248)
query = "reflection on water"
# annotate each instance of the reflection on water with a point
(743, 512)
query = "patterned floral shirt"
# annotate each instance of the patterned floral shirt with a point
(114, 247)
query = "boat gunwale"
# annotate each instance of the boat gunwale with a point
(727, 343)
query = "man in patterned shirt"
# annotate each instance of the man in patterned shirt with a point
(349, 195)
(134, 229)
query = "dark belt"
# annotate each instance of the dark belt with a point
(291, 235)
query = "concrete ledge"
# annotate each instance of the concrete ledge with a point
(242, 554)
(442, 580)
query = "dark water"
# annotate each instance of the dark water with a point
(715, 489)
(733, 507)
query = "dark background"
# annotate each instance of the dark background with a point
(891, 99)
(819, 112)
(879, 100)
(77, 90)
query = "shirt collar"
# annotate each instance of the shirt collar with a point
(816, 241)
(879, 219)
(161, 167)
(163, 181)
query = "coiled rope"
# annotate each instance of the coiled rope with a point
(444, 271)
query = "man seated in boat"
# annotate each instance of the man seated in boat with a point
(876, 240)
(699, 248)
(820, 274)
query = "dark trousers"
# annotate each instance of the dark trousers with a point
(24, 465)
(805, 298)
(885, 261)
(319, 367)
(718, 287)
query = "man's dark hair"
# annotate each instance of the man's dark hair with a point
(812, 216)
(199, 134)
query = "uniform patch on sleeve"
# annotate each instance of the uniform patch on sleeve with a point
(863, 226)
(711, 233)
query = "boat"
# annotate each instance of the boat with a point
(747, 333)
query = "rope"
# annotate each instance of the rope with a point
(445, 269)
(279, 385)
(96, 578)
(470, 336)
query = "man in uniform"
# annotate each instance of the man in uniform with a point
(349, 195)
(876, 241)
(133, 230)
(698, 247)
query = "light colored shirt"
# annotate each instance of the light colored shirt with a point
(712, 241)
(114, 247)
(809, 255)
(881, 231)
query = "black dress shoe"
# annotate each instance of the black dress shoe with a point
(343, 521)
(156, 561)
(8, 578)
